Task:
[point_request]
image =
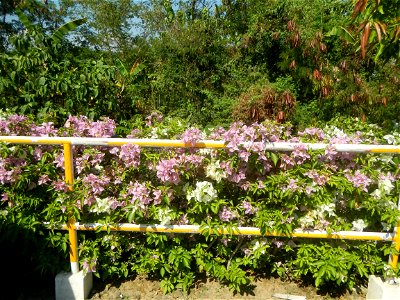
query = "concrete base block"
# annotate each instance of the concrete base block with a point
(378, 289)
(73, 286)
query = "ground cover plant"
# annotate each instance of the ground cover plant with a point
(242, 185)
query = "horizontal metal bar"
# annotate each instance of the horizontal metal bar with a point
(346, 235)
(358, 148)
(108, 141)
(278, 146)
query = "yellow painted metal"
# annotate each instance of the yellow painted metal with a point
(385, 150)
(73, 243)
(68, 165)
(239, 231)
(22, 141)
(72, 232)
(394, 259)
(34, 140)
(170, 143)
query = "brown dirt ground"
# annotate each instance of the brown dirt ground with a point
(142, 288)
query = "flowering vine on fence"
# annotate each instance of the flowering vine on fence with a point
(242, 185)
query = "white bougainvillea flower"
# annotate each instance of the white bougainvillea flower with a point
(377, 194)
(386, 226)
(204, 192)
(390, 139)
(306, 221)
(214, 171)
(386, 186)
(257, 244)
(164, 216)
(328, 209)
(359, 225)
(101, 206)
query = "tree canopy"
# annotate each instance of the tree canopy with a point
(206, 61)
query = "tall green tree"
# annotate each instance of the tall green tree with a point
(111, 25)
(44, 75)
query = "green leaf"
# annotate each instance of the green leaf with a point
(186, 263)
(274, 158)
(380, 51)
(59, 34)
(121, 68)
(136, 70)
(341, 32)
(23, 18)
(42, 80)
(12, 75)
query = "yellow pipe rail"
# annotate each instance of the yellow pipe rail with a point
(72, 227)
(394, 258)
(72, 232)
(275, 146)
(197, 229)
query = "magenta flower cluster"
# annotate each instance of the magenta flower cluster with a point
(94, 186)
(191, 136)
(359, 180)
(129, 155)
(226, 214)
(318, 179)
(82, 126)
(168, 171)
(139, 192)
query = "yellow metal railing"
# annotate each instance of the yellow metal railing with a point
(72, 227)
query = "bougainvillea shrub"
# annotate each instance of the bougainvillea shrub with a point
(241, 185)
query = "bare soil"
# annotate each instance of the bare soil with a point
(141, 288)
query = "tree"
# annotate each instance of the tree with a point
(111, 25)
(43, 75)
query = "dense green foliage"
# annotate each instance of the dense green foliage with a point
(198, 62)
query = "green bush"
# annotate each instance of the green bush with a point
(242, 185)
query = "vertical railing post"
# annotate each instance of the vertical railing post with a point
(72, 232)
(394, 258)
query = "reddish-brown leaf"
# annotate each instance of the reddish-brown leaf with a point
(359, 7)
(325, 91)
(397, 33)
(378, 32)
(317, 74)
(291, 25)
(134, 66)
(357, 80)
(275, 35)
(295, 39)
(364, 39)
(383, 27)
(322, 47)
(280, 117)
(363, 117)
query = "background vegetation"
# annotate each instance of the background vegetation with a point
(205, 62)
